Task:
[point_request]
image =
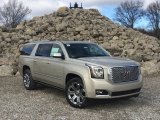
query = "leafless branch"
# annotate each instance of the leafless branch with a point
(153, 15)
(12, 13)
(129, 12)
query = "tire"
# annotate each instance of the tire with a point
(75, 93)
(28, 82)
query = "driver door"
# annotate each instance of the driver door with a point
(55, 67)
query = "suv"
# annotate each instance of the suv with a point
(83, 69)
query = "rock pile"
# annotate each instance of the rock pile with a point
(84, 25)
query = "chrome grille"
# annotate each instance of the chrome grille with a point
(125, 74)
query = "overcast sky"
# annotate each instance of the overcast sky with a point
(41, 7)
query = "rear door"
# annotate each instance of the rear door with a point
(41, 60)
(47, 68)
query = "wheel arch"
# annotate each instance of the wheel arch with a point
(69, 76)
(25, 67)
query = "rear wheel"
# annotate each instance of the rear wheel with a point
(28, 82)
(75, 93)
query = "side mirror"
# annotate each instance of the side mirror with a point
(58, 55)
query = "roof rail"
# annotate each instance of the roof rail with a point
(35, 41)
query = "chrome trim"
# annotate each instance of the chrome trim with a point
(110, 74)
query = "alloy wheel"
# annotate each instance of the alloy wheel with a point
(26, 80)
(76, 93)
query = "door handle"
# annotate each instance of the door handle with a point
(48, 62)
(34, 60)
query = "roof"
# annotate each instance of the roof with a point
(70, 42)
(64, 42)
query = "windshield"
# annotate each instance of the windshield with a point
(78, 50)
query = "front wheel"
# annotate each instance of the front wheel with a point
(75, 93)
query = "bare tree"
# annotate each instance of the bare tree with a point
(153, 15)
(12, 13)
(129, 12)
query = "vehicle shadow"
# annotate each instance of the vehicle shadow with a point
(120, 103)
(50, 90)
(96, 104)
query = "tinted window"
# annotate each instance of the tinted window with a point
(27, 49)
(44, 50)
(77, 50)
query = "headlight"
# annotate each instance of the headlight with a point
(96, 71)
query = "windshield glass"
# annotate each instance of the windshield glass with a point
(78, 50)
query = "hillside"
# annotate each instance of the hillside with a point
(84, 25)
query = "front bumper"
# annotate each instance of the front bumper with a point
(114, 90)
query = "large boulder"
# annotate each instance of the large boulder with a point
(63, 11)
(61, 27)
(3, 61)
(150, 67)
(5, 70)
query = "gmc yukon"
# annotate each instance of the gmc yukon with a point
(82, 69)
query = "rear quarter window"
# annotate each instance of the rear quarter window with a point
(27, 49)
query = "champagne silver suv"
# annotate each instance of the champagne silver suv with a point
(83, 69)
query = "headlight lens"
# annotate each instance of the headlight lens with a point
(96, 71)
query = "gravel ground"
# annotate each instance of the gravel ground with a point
(46, 103)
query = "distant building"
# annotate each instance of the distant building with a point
(75, 6)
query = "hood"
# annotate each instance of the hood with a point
(109, 61)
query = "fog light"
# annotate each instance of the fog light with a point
(101, 92)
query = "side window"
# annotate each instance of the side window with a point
(27, 49)
(44, 50)
(55, 49)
